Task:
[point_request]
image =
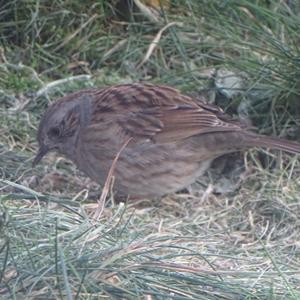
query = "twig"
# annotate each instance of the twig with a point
(49, 86)
(107, 184)
(155, 42)
(20, 67)
(71, 36)
(112, 50)
(146, 12)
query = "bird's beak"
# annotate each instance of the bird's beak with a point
(41, 153)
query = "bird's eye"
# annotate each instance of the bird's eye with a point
(54, 132)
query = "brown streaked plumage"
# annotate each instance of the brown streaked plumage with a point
(173, 136)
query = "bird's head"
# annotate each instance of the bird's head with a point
(60, 125)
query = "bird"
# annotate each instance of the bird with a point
(163, 139)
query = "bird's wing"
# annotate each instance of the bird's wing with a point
(159, 113)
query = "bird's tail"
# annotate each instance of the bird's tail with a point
(254, 140)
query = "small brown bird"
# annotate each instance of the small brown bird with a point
(172, 138)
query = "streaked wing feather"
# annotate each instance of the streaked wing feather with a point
(169, 124)
(160, 113)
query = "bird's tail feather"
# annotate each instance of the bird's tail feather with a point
(272, 142)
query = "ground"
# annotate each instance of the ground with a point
(233, 235)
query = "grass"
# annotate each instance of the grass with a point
(234, 235)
